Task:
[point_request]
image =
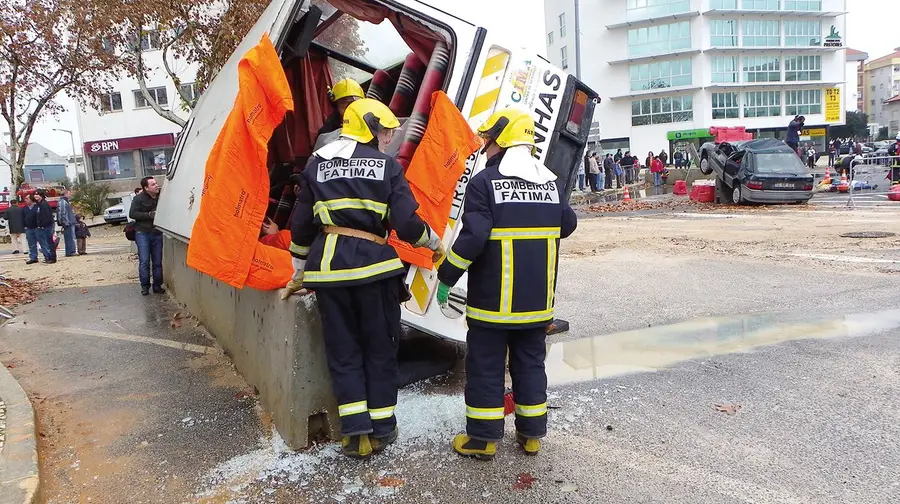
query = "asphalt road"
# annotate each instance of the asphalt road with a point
(809, 388)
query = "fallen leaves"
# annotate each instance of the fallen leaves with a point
(176, 320)
(21, 292)
(391, 482)
(524, 481)
(729, 409)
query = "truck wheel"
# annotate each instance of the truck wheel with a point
(736, 195)
(704, 166)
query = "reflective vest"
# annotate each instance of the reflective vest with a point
(509, 243)
(366, 192)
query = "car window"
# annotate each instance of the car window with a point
(779, 162)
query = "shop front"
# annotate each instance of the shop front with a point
(124, 161)
(679, 141)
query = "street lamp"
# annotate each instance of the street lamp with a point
(74, 154)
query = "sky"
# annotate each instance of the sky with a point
(871, 27)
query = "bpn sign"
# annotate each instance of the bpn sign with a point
(105, 146)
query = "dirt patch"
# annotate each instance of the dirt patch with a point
(18, 292)
(92, 270)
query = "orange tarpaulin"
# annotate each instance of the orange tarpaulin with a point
(439, 161)
(224, 240)
(280, 240)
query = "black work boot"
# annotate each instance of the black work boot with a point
(468, 447)
(145, 291)
(382, 442)
(358, 447)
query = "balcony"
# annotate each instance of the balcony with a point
(774, 85)
(664, 19)
(652, 93)
(772, 13)
(759, 49)
(657, 56)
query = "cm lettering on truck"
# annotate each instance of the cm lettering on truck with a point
(407, 51)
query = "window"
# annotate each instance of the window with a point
(803, 5)
(802, 33)
(803, 68)
(873, 87)
(803, 101)
(659, 39)
(762, 104)
(725, 106)
(723, 4)
(112, 102)
(562, 25)
(762, 69)
(645, 9)
(156, 161)
(761, 34)
(724, 69)
(113, 166)
(760, 4)
(564, 57)
(158, 94)
(150, 40)
(661, 74)
(191, 92)
(723, 33)
(872, 102)
(662, 110)
(550, 39)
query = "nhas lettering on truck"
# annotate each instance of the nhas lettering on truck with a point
(412, 50)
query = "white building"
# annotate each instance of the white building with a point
(126, 140)
(668, 70)
(881, 83)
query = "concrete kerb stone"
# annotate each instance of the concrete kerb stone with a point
(19, 474)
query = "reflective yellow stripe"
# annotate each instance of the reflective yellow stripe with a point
(353, 408)
(484, 413)
(351, 204)
(381, 413)
(537, 233)
(507, 317)
(298, 249)
(328, 253)
(344, 275)
(494, 63)
(423, 239)
(506, 279)
(485, 102)
(551, 271)
(455, 259)
(531, 411)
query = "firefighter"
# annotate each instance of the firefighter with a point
(351, 196)
(514, 215)
(342, 94)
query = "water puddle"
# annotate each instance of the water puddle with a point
(660, 347)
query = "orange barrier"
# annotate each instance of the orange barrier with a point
(224, 241)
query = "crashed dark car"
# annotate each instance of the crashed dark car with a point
(764, 170)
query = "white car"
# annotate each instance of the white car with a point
(115, 214)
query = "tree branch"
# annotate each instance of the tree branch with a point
(185, 100)
(142, 83)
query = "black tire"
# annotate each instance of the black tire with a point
(705, 168)
(737, 194)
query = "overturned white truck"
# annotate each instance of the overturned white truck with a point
(401, 51)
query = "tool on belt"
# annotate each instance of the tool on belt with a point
(355, 233)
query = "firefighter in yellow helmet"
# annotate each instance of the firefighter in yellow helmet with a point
(351, 196)
(342, 94)
(513, 217)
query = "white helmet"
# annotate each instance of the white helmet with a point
(898, 137)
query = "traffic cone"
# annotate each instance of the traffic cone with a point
(627, 195)
(844, 186)
(827, 179)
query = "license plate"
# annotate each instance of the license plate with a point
(115, 211)
(782, 185)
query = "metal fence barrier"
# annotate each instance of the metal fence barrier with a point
(872, 175)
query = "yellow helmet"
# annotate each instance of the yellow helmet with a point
(509, 127)
(365, 118)
(345, 88)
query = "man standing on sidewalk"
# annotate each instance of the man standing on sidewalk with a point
(45, 226)
(65, 216)
(147, 237)
(29, 216)
(15, 221)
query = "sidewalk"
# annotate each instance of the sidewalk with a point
(18, 452)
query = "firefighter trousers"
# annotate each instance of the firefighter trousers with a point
(485, 376)
(361, 328)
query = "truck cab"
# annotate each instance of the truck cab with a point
(400, 51)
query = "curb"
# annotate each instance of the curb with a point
(19, 477)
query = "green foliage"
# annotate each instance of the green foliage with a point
(883, 133)
(857, 126)
(91, 197)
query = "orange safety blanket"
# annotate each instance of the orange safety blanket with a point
(439, 161)
(280, 240)
(224, 240)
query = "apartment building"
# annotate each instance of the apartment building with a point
(668, 70)
(881, 83)
(124, 138)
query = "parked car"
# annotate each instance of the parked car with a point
(115, 214)
(762, 171)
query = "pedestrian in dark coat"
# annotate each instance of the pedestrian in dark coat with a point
(15, 223)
